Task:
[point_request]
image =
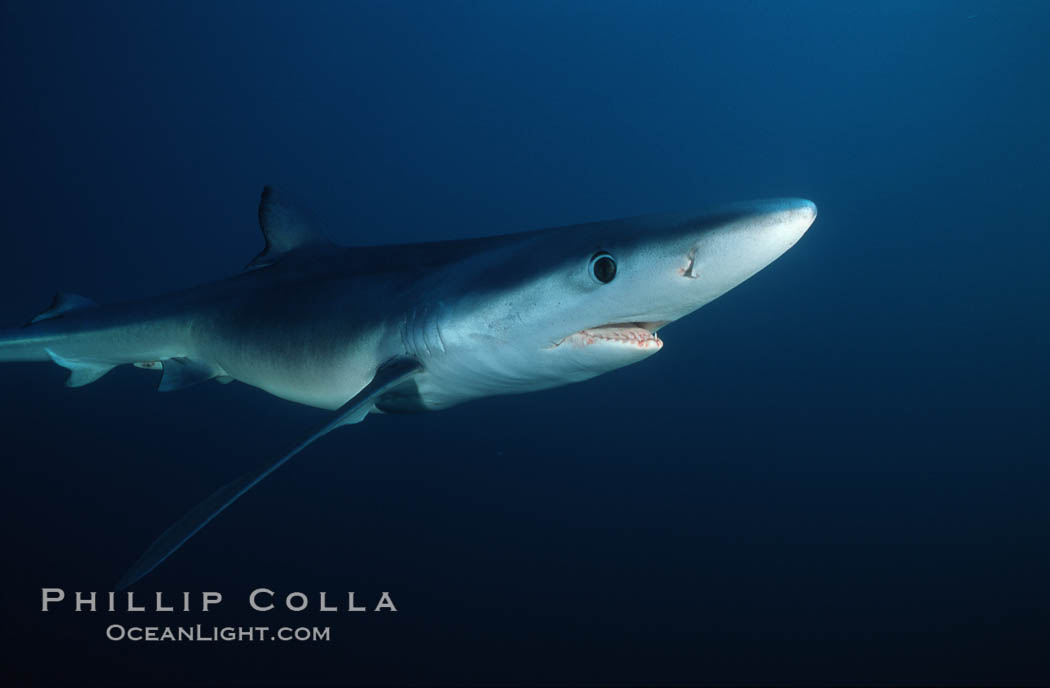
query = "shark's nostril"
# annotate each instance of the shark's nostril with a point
(690, 270)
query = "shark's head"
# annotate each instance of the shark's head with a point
(546, 308)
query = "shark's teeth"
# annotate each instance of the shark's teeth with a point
(628, 334)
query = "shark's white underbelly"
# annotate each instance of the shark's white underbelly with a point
(319, 375)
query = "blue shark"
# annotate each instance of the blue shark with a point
(413, 327)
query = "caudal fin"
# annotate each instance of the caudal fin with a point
(37, 339)
(88, 341)
(32, 341)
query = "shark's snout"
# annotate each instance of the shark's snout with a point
(761, 233)
(722, 255)
(772, 227)
(791, 217)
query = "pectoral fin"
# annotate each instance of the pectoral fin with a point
(388, 376)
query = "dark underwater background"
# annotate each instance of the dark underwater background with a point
(836, 473)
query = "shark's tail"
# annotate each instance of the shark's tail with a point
(19, 345)
(49, 336)
(90, 340)
(31, 341)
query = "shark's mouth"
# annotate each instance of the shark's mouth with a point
(640, 335)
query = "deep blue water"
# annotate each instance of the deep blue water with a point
(837, 473)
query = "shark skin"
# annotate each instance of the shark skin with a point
(414, 327)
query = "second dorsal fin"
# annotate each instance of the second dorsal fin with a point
(285, 229)
(62, 304)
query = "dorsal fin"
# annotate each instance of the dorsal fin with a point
(61, 304)
(284, 228)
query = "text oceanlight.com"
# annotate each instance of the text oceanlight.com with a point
(200, 633)
(259, 601)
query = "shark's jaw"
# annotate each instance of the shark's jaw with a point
(632, 335)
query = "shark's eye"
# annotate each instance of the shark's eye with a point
(602, 267)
